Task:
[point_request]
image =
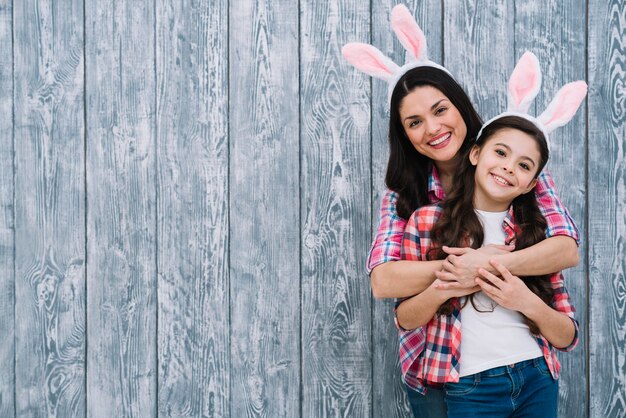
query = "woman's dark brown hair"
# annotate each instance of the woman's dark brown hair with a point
(459, 225)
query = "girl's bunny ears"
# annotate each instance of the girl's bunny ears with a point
(524, 86)
(373, 62)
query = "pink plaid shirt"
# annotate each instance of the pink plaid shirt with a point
(430, 355)
(386, 245)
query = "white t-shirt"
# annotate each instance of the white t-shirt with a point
(498, 336)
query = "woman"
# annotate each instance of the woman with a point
(432, 121)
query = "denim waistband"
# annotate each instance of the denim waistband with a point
(502, 370)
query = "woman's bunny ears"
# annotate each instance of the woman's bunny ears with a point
(524, 86)
(373, 62)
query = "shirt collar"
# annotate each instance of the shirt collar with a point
(435, 189)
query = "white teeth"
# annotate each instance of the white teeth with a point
(501, 180)
(439, 141)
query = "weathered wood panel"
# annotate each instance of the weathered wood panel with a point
(121, 220)
(389, 397)
(543, 28)
(49, 208)
(264, 205)
(192, 161)
(472, 32)
(7, 272)
(607, 208)
(335, 213)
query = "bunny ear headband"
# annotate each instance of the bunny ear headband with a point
(373, 62)
(524, 86)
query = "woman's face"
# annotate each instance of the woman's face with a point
(432, 123)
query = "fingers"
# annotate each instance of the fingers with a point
(490, 278)
(446, 276)
(448, 266)
(455, 250)
(491, 291)
(506, 274)
(449, 286)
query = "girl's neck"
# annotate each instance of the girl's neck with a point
(487, 204)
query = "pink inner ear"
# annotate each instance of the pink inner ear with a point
(366, 58)
(414, 43)
(523, 86)
(569, 103)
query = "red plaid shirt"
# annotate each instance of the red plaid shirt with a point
(430, 355)
(387, 243)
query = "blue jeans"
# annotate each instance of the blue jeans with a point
(430, 405)
(525, 389)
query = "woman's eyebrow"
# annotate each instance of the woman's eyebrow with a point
(431, 108)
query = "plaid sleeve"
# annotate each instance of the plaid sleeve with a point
(558, 218)
(561, 302)
(386, 245)
(411, 249)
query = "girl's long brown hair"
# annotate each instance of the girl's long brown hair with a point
(459, 225)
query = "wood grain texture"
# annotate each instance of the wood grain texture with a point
(264, 203)
(192, 161)
(473, 30)
(7, 238)
(49, 209)
(543, 28)
(607, 208)
(389, 393)
(121, 219)
(335, 214)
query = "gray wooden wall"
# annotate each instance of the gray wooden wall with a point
(188, 191)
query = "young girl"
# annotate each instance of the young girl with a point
(493, 350)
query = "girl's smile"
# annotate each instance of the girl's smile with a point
(506, 167)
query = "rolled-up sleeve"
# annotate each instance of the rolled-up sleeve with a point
(562, 303)
(387, 243)
(557, 217)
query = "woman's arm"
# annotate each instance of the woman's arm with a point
(546, 257)
(400, 279)
(510, 292)
(390, 276)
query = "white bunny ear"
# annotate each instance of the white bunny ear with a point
(409, 33)
(369, 60)
(564, 106)
(524, 83)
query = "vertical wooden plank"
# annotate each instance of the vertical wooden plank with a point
(389, 398)
(335, 120)
(192, 155)
(544, 28)
(473, 30)
(49, 209)
(121, 242)
(607, 208)
(7, 261)
(264, 204)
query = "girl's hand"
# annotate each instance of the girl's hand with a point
(445, 294)
(508, 291)
(460, 268)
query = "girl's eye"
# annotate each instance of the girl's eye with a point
(525, 166)
(501, 153)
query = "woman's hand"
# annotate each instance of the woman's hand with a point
(508, 291)
(460, 268)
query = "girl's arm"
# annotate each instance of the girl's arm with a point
(509, 291)
(418, 310)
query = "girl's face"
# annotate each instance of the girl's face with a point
(506, 167)
(432, 123)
